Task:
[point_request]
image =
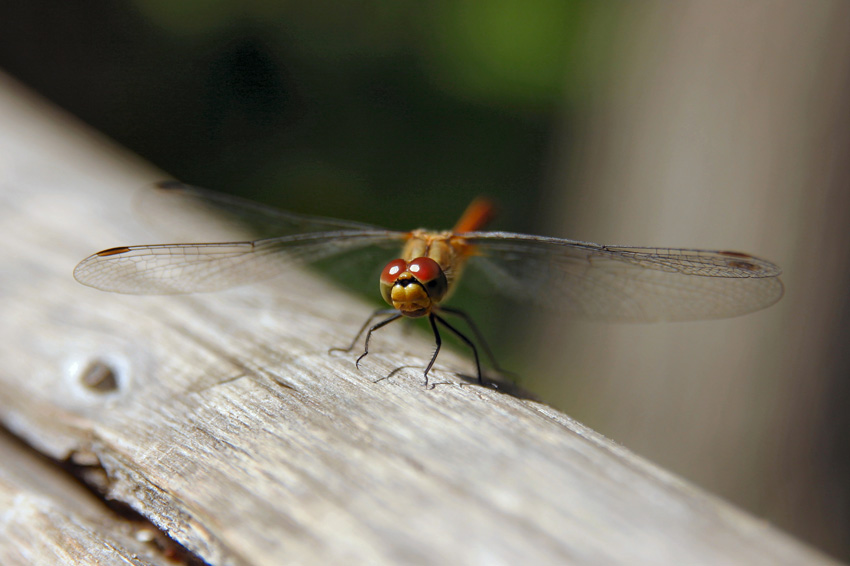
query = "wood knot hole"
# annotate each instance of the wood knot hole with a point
(100, 377)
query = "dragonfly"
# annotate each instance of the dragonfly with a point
(576, 278)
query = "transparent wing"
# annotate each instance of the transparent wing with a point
(192, 268)
(580, 278)
(625, 283)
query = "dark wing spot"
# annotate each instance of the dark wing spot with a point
(114, 251)
(743, 265)
(735, 254)
(740, 263)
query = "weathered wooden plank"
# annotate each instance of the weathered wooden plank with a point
(48, 518)
(232, 428)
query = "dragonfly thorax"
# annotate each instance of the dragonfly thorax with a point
(413, 287)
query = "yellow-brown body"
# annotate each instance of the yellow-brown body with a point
(430, 264)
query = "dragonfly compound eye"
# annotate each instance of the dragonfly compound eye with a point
(389, 275)
(429, 273)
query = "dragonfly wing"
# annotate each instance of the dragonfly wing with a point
(617, 283)
(187, 213)
(190, 268)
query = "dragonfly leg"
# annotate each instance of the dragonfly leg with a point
(432, 319)
(460, 335)
(373, 316)
(372, 329)
(479, 337)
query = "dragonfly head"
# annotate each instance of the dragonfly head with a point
(413, 287)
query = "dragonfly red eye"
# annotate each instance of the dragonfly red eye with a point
(424, 269)
(430, 274)
(392, 270)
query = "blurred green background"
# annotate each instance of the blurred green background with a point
(390, 112)
(710, 125)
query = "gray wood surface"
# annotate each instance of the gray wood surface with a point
(232, 428)
(48, 518)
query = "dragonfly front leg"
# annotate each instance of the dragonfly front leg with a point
(432, 318)
(363, 328)
(397, 315)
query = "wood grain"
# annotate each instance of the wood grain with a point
(49, 518)
(233, 429)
